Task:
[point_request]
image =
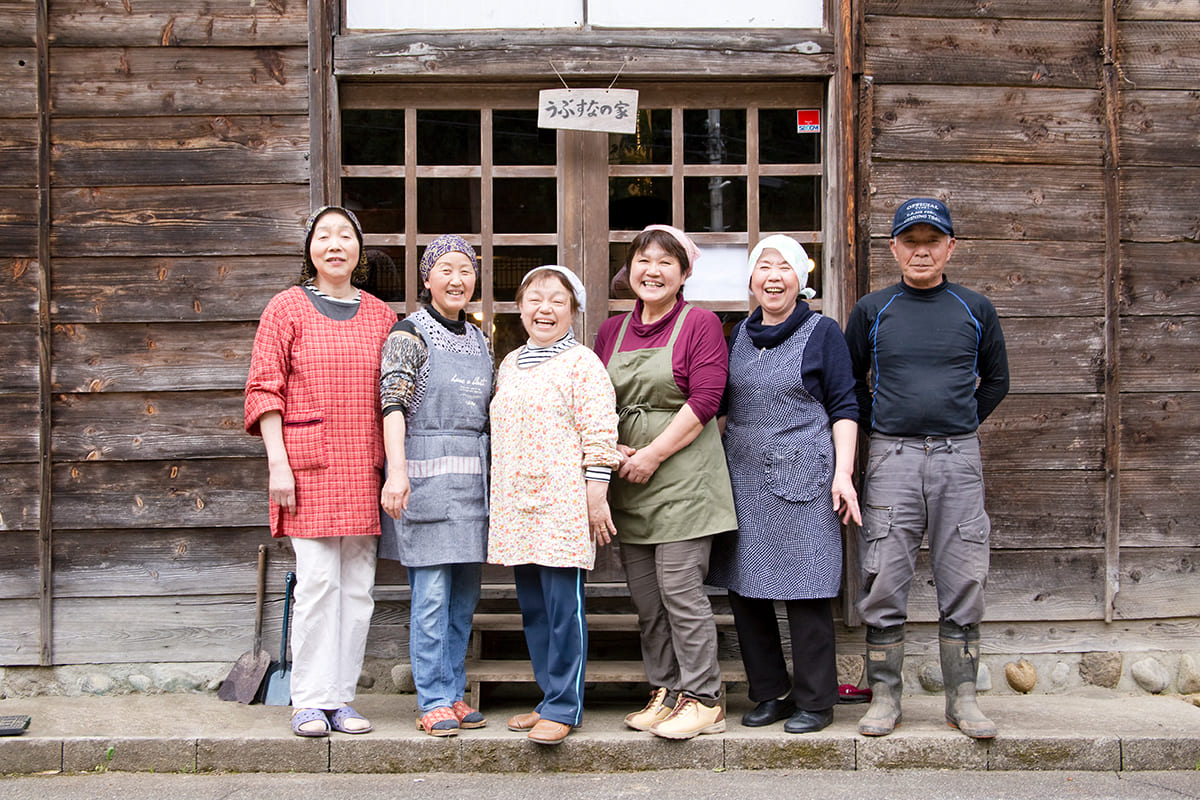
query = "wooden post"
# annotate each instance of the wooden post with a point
(323, 133)
(1112, 313)
(45, 497)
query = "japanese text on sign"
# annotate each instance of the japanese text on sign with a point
(608, 110)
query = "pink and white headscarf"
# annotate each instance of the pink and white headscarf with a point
(689, 247)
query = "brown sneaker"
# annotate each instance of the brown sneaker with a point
(690, 718)
(654, 711)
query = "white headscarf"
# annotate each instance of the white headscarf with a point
(793, 253)
(572, 278)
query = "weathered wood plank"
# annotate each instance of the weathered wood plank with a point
(216, 493)
(1027, 586)
(1160, 128)
(152, 357)
(19, 357)
(1044, 432)
(164, 23)
(1160, 431)
(1039, 509)
(197, 220)
(216, 627)
(20, 500)
(977, 123)
(1159, 204)
(187, 151)
(1059, 636)
(988, 9)
(19, 428)
(169, 81)
(583, 54)
(18, 152)
(1157, 582)
(18, 291)
(988, 52)
(19, 566)
(115, 426)
(18, 22)
(1160, 354)
(18, 223)
(1055, 355)
(1160, 507)
(166, 562)
(1021, 278)
(1159, 279)
(994, 201)
(18, 80)
(1159, 9)
(200, 289)
(1160, 55)
(19, 645)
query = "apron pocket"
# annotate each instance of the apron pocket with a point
(304, 441)
(532, 493)
(794, 477)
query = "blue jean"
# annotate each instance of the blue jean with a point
(553, 615)
(443, 601)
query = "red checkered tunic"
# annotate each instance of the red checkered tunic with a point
(323, 375)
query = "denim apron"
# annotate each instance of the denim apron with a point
(689, 495)
(446, 449)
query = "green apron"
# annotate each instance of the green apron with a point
(689, 495)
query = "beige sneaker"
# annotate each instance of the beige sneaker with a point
(690, 717)
(654, 711)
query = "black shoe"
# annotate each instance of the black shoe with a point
(767, 712)
(809, 721)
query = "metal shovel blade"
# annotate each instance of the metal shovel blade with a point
(278, 689)
(244, 679)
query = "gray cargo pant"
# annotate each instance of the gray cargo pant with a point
(912, 486)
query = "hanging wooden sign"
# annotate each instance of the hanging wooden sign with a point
(607, 110)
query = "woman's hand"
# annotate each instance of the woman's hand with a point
(600, 520)
(639, 465)
(845, 498)
(281, 486)
(394, 497)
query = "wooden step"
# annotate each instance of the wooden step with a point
(495, 670)
(487, 621)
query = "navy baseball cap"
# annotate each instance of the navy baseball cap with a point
(922, 209)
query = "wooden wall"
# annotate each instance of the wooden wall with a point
(1064, 136)
(178, 165)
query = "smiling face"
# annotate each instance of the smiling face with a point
(547, 308)
(451, 283)
(775, 285)
(922, 252)
(334, 251)
(656, 276)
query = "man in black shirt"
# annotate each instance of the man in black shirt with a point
(929, 364)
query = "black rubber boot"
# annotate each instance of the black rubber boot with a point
(959, 645)
(885, 659)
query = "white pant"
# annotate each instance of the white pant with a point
(334, 579)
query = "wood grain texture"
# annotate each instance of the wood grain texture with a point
(18, 152)
(19, 357)
(196, 493)
(20, 506)
(169, 81)
(997, 201)
(1021, 278)
(166, 23)
(1160, 431)
(1009, 125)
(1159, 9)
(1159, 204)
(19, 646)
(18, 291)
(1045, 432)
(1160, 54)
(1159, 354)
(1160, 279)
(19, 428)
(1047, 355)
(1155, 579)
(195, 220)
(185, 151)
(168, 289)
(19, 577)
(634, 53)
(1160, 506)
(988, 9)
(152, 357)
(1160, 128)
(985, 52)
(18, 80)
(1041, 509)
(18, 22)
(115, 426)
(19, 231)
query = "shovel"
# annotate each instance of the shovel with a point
(247, 673)
(278, 688)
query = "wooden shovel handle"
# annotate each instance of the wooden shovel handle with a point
(259, 597)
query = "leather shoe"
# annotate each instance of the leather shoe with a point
(523, 722)
(809, 721)
(768, 712)
(547, 731)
